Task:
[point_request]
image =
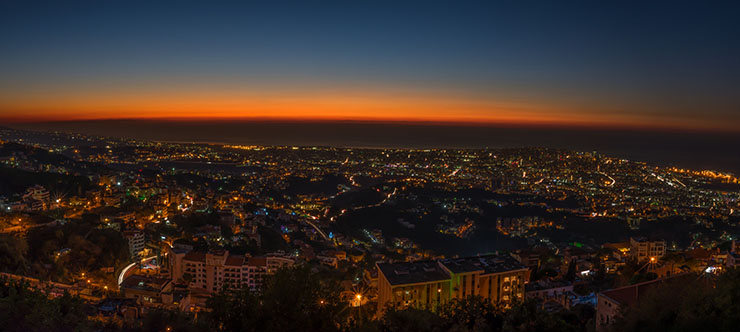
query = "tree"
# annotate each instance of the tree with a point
(626, 272)
(410, 319)
(528, 316)
(571, 274)
(12, 253)
(233, 311)
(472, 313)
(292, 299)
(169, 320)
(687, 303)
(25, 309)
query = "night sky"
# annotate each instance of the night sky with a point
(643, 64)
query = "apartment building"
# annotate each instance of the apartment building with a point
(136, 242)
(427, 284)
(211, 271)
(37, 192)
(643, 249)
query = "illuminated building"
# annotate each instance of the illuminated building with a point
(135, 242)
(37, 192)
(211, 271)
(643, 249)
(427, 284)
(147, 290)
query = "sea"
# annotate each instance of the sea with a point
(719, 151)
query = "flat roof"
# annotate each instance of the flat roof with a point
(413, 272)
(487, 264)
(439, 270)
(144, 283)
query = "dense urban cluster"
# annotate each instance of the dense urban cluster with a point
(135, 231)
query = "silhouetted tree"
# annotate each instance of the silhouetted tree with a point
(570, 275)
(292, 299)
(687, 304)
(25, 309)
(472, 313)
(410, 320)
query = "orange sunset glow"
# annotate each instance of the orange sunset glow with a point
(376, 107)
(480, 64)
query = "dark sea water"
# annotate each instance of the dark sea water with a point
(696, 150)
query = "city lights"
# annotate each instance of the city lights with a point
(369, 166)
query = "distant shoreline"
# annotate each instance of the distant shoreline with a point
(694, 150)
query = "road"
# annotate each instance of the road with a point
(125, 270)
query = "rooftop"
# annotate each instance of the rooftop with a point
(487, 264)
(546, 284)
(257, 261)
(429, 271)
(139, 282)
(234, 260)
(195, 256)
(413, 272)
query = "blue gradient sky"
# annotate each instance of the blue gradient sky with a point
(665, 64)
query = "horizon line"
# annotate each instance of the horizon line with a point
(594, 125)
